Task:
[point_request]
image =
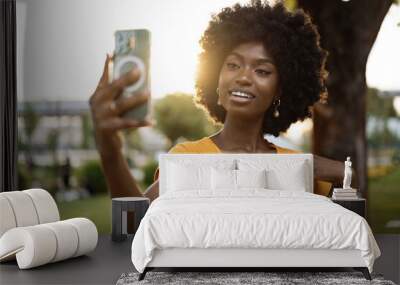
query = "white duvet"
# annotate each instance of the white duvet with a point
(251, 218)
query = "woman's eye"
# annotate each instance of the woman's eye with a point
(263, 72)
(232, 65)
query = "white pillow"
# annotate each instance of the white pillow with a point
(251, 179)
(281, 174)
(226, 179)
(293, 180)
(223, 179)
(182, 177)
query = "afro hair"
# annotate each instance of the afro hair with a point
(293, 42)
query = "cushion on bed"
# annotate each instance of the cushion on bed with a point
(295, 181)
(282, 174)
(231, 180)
(223, 179)
(251, 178)
(184, 175)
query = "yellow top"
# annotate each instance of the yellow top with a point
(206, 145)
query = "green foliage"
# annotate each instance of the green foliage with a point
(52, 139)
(381, 109)
(396, 158)
(52, 143)
(379, 106)
(149, 170)
(87, 132)
(383, 200)
(134, 140)
(21, 145)
(177, 116)
(25, 177)
(383, 138)
(46, 176)
(90, 176)
(31, 120)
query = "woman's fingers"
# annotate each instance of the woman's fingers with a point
(118, 107)
(103, 82)
(106, 91)
(131, 102)
(104, 77)
(106, 110)
(117, 123)
(118, 85)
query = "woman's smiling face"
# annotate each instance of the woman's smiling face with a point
(248, 80)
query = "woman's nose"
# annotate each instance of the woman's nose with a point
(244, 77)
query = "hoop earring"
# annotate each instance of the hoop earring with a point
(276, 112)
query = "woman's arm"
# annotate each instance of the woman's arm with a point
(120, 181)
(326, 169)
(106, 112)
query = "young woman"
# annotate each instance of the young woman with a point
(261, 69)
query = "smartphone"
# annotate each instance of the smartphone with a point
(132, 50)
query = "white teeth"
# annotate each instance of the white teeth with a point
(242, 94)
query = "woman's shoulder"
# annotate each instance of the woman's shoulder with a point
(199, 146)
(286, 150)
(206, 145)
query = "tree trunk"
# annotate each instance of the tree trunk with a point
(348, 31)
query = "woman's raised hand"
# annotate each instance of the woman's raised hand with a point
(106, 109)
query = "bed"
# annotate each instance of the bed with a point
(247, 210)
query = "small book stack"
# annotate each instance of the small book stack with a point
(344, 194)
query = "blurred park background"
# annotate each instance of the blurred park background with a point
(61, 51)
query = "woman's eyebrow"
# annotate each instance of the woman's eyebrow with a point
(257, 61)
(235, 54)
(264, 60)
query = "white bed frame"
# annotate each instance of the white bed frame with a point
(249, 257)
(234, 257)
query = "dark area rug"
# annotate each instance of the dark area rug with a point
(242, 278)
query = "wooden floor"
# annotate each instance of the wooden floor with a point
(389, 262)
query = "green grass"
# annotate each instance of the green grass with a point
(384, 201)
(96, 208)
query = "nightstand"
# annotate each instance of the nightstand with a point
(356, 205)
(120, 208)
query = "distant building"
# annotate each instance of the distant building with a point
(66, 117)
